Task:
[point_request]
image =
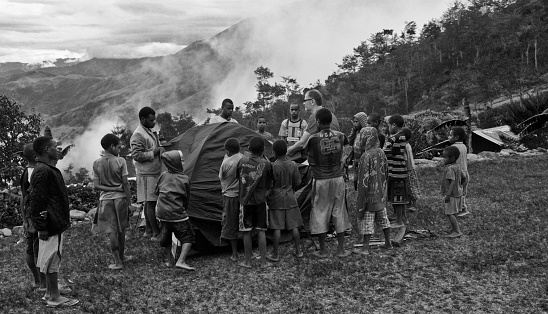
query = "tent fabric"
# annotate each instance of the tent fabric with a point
(203, 149)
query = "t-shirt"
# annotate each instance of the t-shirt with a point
(325, 153)
(452, 172)
(266, 135)
(254, 171)
(109, 170)
(219, 119)
(313, 126)
(394, 148)
(462, 161)
(293, 131)
(288, 177)
(228, 174)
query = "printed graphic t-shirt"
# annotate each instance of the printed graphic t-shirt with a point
(325, 154)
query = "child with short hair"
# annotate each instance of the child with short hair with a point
(29, 233)
(228, 175)
(256, 177)
(329, 190)
(374, 120)
(112, 216)
(457, 138)
(49, 211)
(284, 213)
(398, 178)
(173, 191)
(414, 184)
(372, 191)
(451, 188)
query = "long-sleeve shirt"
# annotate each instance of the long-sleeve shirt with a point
(48, 193)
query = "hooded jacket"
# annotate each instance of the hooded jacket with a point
(372, 171)
(173, 189)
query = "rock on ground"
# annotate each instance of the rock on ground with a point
(6, 232)
(77, 214)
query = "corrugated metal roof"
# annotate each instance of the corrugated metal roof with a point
(494, 134)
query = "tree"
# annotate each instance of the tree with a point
(69, 176)
(16, 129)
(124, 134)
(82, 176)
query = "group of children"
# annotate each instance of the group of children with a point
(257, 195)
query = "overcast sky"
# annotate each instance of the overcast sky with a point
(37, 30)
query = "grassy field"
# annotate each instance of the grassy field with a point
(499, 266)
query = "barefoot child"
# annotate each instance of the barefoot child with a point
(451, 188)
(329, 190)
(456, 137)
(228, 174)
(173, 190)
(398, 181)
(284, 213)
(372, 190)
(112, 217)
(255, 176)
(30, 234)
(49, 211)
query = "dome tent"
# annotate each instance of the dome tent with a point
(203, 150)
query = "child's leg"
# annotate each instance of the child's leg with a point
(321, 239)
(115, 248)
(297, 241)
(455, 229)
(168, 258)
(262, 249)
(31, 263)
(247, 249)
(340, 248)
(150, 215)
(399, 209)
(52, 288)
(387, 241)
(276, 243)
(234, 246)
(181, 262)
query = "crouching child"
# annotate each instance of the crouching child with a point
(173, 190)
(372, 190)
(112, 217)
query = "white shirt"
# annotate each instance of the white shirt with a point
(219, 119)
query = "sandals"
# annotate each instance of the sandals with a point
(65, 303)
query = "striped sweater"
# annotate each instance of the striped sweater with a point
(394, 148)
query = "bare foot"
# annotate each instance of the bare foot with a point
(244, 265)
(128, 258)
(234, 258)
(360, 251)
(169, 264)
(273, 258)
(266, 265)
(386, 246)
(319, 254)
(344, 254)
(454, 235)
(115, 267)
(185, 266)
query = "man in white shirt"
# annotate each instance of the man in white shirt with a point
(292, 129)
(227, 108)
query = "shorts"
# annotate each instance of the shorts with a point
(145, 188)
(31, 239)
(112, 216)
(182, 230)
(49, 254)
(253, 217)
(231, 218)
(329, 204)
(366, 225)
(454, 206)
(285, 219)
(398, 191)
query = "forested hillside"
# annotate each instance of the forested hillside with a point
(478, 49)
